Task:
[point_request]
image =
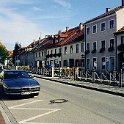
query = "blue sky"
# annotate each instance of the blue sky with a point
(23, 21)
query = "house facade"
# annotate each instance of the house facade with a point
(120, 48)
(100, 40)
(67, 48)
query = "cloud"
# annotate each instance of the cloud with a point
(17, 28)
(63, 3)
(36, 8)
(54, 17)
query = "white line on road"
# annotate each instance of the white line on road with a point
(44, 123)
(24, 104)
(41, 115)
(36, 109)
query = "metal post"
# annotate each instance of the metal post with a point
(74, 74)
(121, 78)
(110, 77)
(52, 72)
(93, 75)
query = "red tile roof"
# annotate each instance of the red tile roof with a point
(112, 11)
(67, 37)
(120, 30)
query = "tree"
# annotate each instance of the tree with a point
(15, 51)
(3, 53)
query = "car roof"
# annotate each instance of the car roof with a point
(13, 70)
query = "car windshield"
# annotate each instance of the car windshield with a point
(15, 74)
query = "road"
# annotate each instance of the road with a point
(78, 106)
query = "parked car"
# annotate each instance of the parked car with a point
(18, 82)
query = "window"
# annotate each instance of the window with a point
(112, 43)
(111, 24)
(94, 45)
(88, 30)
(36, 54)
(48, 52)
(122, 40)
(94, 63)
(82, 47)
(77, 48)
(51, 51)
(65, 63)
(103, 44)
(55, 51)
(60, 50)
(39, 54)
(94, 29)
(88, 63)
(88, 46)
(65, 51)
(71, 49)
(103, 27)
(103, 62)
(42, 53)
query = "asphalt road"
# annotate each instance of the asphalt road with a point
(63, 104)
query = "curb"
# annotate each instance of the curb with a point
(86, 87)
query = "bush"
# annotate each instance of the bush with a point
(22, 68)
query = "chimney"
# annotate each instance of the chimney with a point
(67, 28)
(81, 26)
(107, 10)
(59, 32)
(122, 2)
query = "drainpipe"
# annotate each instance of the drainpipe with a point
(85, 45)
(116, 56)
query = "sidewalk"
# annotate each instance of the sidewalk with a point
(115, 90)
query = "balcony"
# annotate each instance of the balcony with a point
(110, 49)
(51, 55)
(58, 54)
(102, 50)
(121, 47)
(93, 51)
(87, 51)
(47, 56)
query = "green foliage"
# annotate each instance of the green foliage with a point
(15, 51)
(3, 53)
(22, 68)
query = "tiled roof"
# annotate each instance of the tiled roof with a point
(67, 37)
(71, 36)
(112, 11)
(120, 30)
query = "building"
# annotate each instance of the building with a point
(120, 48)
(100, 40)
(67, 48)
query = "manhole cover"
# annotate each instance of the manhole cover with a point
(58, 101)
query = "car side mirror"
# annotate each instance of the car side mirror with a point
(31, 76)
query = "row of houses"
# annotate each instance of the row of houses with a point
(97, 43)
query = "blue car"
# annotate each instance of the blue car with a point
(19, 82)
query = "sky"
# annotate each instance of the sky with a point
(24, 21)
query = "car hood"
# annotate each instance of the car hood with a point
(20, 82)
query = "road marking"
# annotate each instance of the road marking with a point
(41, 115)
(35, 109)
(44, 123)
(17, 107)
(24, 104)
